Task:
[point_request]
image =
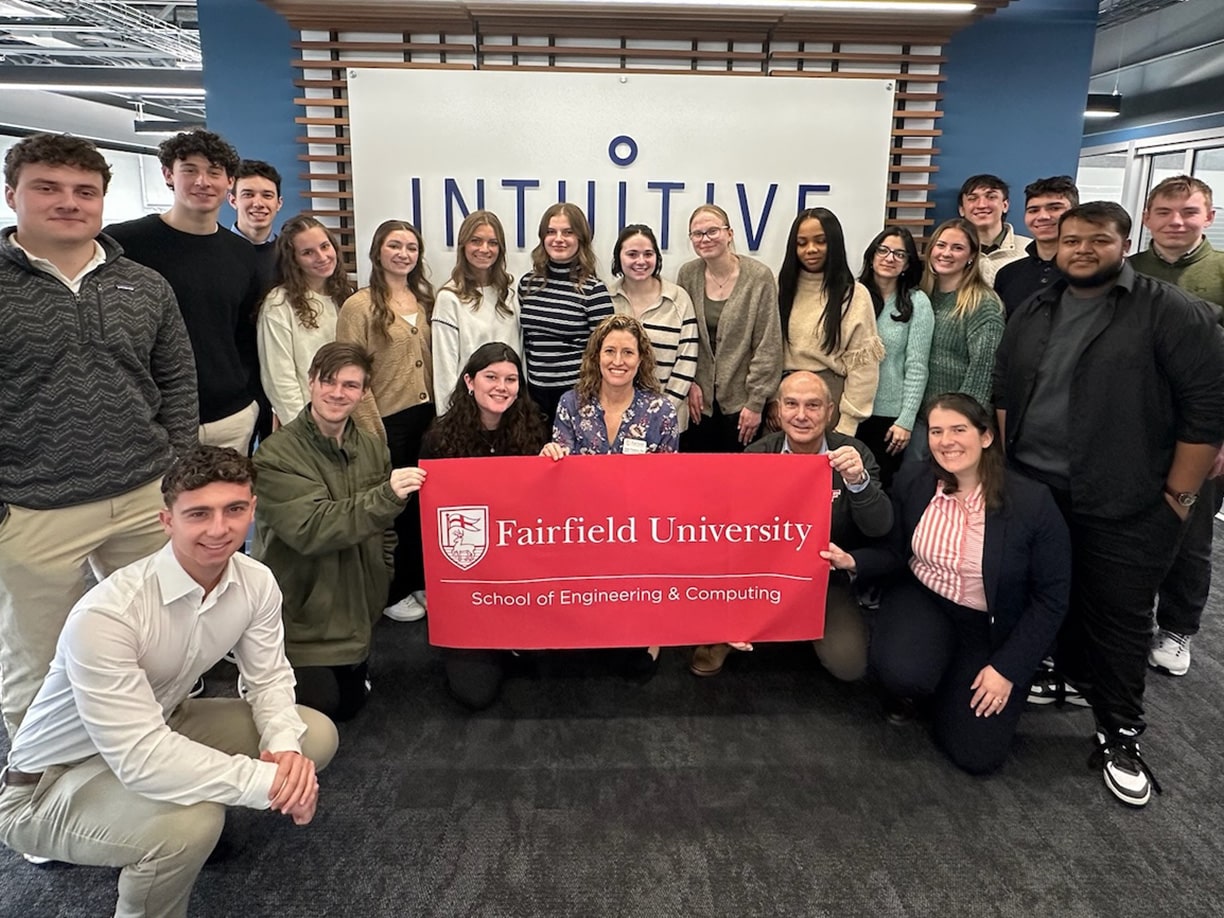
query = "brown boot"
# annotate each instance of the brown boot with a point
(708, 659)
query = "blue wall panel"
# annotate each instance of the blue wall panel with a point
(1014, 98)
(248, 79)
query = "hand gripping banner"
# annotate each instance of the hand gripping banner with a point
(625, 551)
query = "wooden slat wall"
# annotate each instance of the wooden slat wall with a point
(323, 59)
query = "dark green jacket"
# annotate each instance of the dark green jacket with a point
(322, 524)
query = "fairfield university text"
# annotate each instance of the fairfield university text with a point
(575, 530)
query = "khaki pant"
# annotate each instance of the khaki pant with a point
(81, 814)
(43, 554)
(234, 431)
(843, 650)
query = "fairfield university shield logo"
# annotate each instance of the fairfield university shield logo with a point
(463, 534)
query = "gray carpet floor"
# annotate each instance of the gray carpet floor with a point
(769, 790)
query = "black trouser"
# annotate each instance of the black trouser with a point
(474, 676)
(716, 434)
(925, 646)
(1183, 593)
(871, 431)
(404, 432)
(337, 691)
(1116, 568)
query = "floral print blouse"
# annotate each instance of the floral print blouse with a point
(649, 426)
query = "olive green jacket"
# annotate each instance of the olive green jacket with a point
(322, 524)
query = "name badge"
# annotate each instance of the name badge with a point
(633, 447)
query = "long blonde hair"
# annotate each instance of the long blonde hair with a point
(972, 289)
(463, 279)
(582, 268)
(380, 290)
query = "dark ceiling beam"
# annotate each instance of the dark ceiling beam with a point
(154, 78)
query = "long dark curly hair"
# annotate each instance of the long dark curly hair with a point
(459, 434)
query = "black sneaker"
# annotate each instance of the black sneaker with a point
(1048, 687)
(1126, 775)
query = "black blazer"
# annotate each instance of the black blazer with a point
(1026, 564)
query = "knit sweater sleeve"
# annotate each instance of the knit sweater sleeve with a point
(445, 339)
(917, 354)
(353, 327)
(598, 302)
(689, 279)
(862, 355)
(765, 364)
(983, 332)
(172, 364)
(684, 370)
(277, 370)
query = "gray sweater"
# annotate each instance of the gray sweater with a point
(744, 366)
(100, 386)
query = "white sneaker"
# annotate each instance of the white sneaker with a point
(419, 596)
(1126, 775)
(1170, 653)
(37, 860)
(406, 610)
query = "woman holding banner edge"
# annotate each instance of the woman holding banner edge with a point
(982, 566)
(490, 415)
(739, 356)
(617, 407)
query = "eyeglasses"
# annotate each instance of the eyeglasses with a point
(712, 233)
(900, 255)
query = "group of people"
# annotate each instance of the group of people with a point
(1023, 433)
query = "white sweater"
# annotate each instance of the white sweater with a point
(286, 349)
(458, 330)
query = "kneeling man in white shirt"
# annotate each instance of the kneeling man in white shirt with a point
(113, 765)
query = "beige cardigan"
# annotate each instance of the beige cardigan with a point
(403, 364)
(744, 367)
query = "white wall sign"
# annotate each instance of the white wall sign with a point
(430, 146)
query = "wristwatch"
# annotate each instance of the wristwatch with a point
(1185, 498)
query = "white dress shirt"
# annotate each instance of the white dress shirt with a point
(72, 283)
(130, 651)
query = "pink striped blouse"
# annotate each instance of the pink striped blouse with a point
(947, 548)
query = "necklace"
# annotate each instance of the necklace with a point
(721, 284)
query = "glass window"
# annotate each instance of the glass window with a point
(1100, 177)
(1209, 166)
(1164, 165)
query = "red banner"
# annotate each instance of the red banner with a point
(625, 551)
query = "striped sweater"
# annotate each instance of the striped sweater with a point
(671, 325)
(557, 319)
